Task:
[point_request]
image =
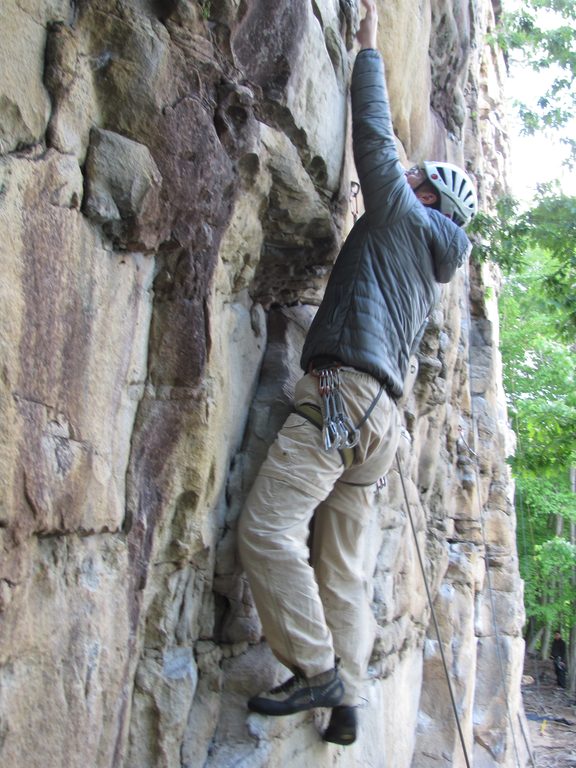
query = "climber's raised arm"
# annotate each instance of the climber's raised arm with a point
(368, 30)
(382, 177)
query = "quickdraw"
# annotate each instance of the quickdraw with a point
(338, 430)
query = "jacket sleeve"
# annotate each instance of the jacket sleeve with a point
(449, 246)
(384, 188)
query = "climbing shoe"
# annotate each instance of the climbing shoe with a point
(342, 726)
(299, 694)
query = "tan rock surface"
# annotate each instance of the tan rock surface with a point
(174, 186)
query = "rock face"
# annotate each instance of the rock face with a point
(174, 185)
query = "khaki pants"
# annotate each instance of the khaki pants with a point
(314, 605)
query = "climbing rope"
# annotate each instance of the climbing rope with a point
(474, 454)
(497, 637)
(433, 613)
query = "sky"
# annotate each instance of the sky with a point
(533, 159)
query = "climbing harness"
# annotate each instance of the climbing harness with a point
(338, 430)
(313, 414)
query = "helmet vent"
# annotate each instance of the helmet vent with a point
(457, 193)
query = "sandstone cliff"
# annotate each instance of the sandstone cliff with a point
(174, 184)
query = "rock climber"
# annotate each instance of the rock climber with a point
(312, 597)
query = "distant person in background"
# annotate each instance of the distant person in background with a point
(558, 655)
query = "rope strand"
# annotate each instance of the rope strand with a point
(474, 454)
(491, 596)
(433, 612)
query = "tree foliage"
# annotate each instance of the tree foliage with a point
(508, 236)
(539, 367)
(543, 33)
(536, 250)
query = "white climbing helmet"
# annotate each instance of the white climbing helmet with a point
(457, 194)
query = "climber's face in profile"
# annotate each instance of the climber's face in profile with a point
(418, 181)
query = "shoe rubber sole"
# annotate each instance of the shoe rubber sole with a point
(342, 726)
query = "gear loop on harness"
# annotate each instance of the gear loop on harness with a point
(338, 430)
(347, 437)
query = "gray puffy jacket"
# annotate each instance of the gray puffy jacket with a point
(385, 279)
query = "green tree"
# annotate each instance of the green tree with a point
(551, 224)
(539, 367)
(542, 35)
(537, 252)
(508, 235)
